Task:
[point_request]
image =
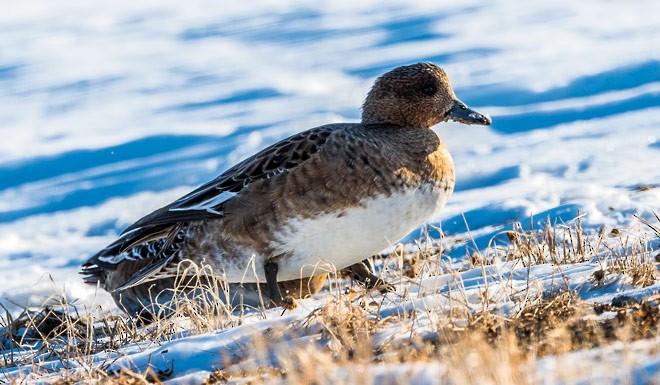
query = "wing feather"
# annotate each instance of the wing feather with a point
(207, 201)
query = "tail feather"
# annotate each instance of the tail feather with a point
(92, 274)
(160, 251)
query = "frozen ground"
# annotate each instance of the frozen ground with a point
(110, 112)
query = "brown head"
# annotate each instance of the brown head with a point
(418, 95)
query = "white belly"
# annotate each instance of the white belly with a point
(338, 240)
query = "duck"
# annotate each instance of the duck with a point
(319, 201)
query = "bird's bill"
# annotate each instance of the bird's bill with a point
(464, 114)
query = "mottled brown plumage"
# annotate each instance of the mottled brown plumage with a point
(309, 200)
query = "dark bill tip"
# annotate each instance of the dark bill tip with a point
(463, 114)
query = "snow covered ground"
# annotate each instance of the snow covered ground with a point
(109, 112)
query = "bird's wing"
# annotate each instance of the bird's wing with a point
(207, 201)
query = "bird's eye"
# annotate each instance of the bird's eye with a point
(429, 89)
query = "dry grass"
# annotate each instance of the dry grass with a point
(60, 331)
(125, 377)
(490, 350)
(349, 340)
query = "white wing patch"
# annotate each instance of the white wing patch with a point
(116, 259)
(208, 204)
(135, 253)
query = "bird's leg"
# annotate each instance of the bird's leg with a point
(274, 291)
(363, 273)
(271, 281)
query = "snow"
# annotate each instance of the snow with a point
(109, 113)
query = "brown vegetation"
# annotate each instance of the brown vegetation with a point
(349, 340)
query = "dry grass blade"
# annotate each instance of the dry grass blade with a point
(431, 329)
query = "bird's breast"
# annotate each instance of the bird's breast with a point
(341, 238)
